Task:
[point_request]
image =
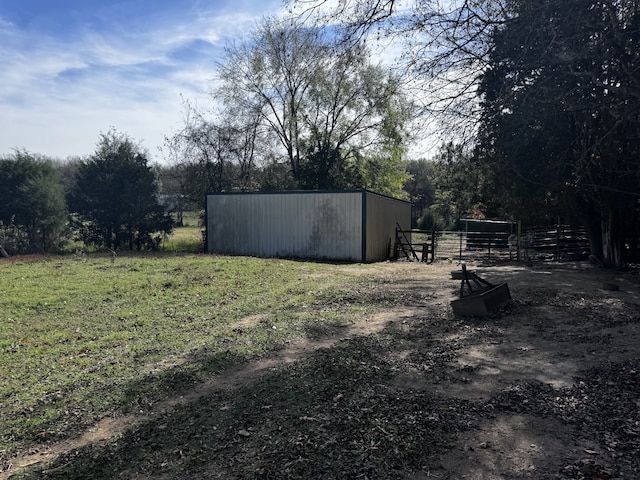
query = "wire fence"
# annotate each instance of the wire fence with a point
(556, 243)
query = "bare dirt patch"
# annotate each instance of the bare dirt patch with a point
(548, 387)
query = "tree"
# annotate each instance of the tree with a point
(556, 87)
(562, 112)
(270, 74)
(170, 182)
(464, 188)
(214, 154)
(115, 197)
(444, 48)
(420, 185)
(336, 117)
(66, 171)
(33, 212)
(275, 176)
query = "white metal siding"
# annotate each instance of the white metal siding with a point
(320, 225)
(314, 225)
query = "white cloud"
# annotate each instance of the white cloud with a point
(58, 93)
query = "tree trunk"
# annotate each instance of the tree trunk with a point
(611, 251)
(592, 223)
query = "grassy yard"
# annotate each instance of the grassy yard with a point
(188, 237)
(84, 336)
(181, 366)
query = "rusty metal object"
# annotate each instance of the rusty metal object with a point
(481, 299)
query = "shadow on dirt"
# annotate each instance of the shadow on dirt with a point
(533, 391)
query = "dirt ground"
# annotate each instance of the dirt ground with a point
(547, 387)
(562, 331)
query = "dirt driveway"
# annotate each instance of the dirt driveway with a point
(547, 387)
(559, 367)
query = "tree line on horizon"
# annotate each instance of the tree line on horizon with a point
(538, 106)
(109, 200)
(115, 199)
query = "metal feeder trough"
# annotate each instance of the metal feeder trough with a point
(482, 301)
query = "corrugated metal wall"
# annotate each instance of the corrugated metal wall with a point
(314, 225)
(382, 214)
(319, 225)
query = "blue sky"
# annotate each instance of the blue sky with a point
(71, 69)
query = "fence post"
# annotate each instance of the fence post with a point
(489, 246)
(519, 237)
(433, 245)
(460, 233)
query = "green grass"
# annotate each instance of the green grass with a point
(82, 337)
(184, 239)
(188, 237)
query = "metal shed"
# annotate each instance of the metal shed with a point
(346, 225)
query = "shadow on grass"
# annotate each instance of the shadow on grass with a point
(349, 411)
(334, 414)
